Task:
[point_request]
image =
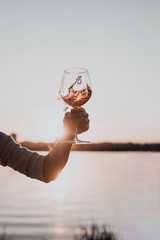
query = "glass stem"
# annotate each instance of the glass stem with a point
(75, 136)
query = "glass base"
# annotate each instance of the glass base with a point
(76, 141)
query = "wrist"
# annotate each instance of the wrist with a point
(67, 137)
(68, 134)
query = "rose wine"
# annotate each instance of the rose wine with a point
(77, 96)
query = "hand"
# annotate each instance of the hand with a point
(75, 118)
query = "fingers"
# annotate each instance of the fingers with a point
(78, 115)
(81, 120)
(76, 118)
(75, 110)
(82, 128)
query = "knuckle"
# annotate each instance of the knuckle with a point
(85, 115)
(87, 120)
(82, 114)
(86, 127)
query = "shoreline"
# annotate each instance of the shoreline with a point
(101, 146)
(106, 146)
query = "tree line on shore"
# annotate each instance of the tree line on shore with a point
(104, 146)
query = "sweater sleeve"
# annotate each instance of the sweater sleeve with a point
(21, 159)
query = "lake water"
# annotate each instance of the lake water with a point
(119, 189)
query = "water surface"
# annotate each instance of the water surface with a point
(118, 189)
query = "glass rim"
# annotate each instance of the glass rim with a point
(75, 70)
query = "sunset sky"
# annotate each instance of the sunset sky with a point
(117, 41)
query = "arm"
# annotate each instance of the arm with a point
(58, 156)
(56, 160)
(45, 168)
(21, 159)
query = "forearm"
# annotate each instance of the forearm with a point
(56, 159)
(44, 168)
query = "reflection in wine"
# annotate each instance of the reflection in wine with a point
(77, 96)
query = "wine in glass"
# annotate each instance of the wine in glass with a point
(76, 90)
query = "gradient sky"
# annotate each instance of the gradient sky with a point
(119, 43)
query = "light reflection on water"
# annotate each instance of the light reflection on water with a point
(120, 189)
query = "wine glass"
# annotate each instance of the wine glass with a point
(75, 90)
